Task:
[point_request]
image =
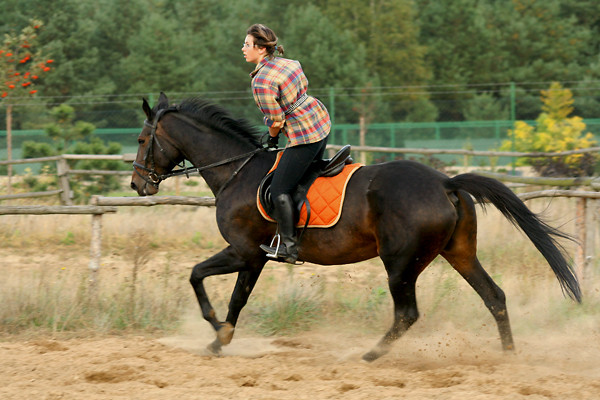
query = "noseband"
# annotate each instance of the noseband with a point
(154, 178)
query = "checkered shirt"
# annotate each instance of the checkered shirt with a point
(277, 84)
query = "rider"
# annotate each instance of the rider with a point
(279, 88)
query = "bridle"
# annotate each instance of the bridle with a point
(153, 178)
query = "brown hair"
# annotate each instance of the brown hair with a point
(265, 37)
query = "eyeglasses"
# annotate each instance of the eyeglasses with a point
(247, 45)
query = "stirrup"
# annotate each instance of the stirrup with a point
(275, 255)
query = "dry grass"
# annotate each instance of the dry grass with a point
(148, 254)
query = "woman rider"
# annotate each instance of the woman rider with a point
(279, 88)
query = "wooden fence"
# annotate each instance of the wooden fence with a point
(586, 213)
(63, 171)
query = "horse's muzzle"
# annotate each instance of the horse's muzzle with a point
(144, 189)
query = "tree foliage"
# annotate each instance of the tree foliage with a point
(412, 60)
(389, 32)
(555, 131)
(21, 63)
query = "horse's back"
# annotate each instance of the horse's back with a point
(405, 185)
(389, 203)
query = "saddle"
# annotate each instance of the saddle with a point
(319, 168)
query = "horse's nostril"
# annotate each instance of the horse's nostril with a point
(133, 186)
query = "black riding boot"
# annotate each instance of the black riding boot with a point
(283, 213)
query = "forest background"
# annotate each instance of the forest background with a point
(386, 60)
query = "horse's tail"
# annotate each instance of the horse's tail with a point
(543, 236)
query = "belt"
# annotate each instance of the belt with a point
(296, 104)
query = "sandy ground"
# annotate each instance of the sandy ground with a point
(450, 365)
(446, 362)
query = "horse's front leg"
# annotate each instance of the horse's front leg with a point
(225, 262)
(243, 287)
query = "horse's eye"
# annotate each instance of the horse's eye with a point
(140, 141)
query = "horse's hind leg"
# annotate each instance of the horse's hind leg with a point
(461, 254)
(402, 277)
(491, 294)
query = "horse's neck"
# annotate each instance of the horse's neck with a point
(217, 148)
(239, 175)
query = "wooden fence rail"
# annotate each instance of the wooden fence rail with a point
(30, 195)
(592, 181)
(465, 152)
(42, 210)
(559, 193)
(153, 201)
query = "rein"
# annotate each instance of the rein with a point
(154, 178)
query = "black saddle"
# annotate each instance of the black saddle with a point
(327, 168)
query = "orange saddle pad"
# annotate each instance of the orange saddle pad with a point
(326, 198)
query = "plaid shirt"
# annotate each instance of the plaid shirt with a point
(277, 84)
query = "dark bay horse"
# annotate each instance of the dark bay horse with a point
(402, 211)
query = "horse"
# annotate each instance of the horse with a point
(403, 212)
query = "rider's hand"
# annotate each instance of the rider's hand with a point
(273, 142)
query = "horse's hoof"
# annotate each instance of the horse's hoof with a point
(374, 354)
(214, 348)
(509, 348)
(371, 356)
(225, 333)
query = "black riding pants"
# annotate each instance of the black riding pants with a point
(292, 166)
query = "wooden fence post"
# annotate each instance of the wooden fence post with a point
(362, 133)
(95, 248)
(9, 146)
(593, 230)
(62, 169)
(581, 232)
(95, 244)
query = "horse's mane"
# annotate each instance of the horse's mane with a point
(219, 118)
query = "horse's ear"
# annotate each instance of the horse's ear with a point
(163, 101)
(147, 109)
